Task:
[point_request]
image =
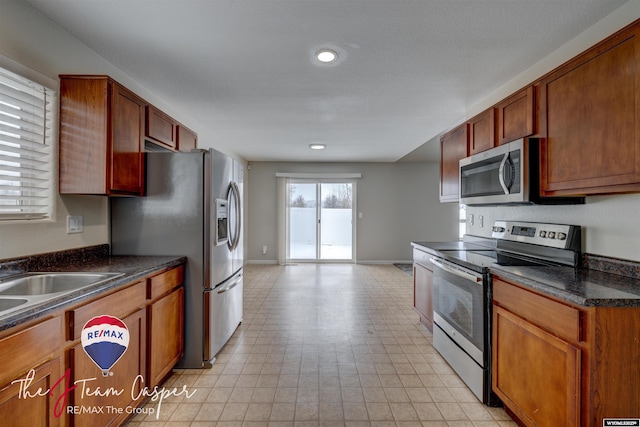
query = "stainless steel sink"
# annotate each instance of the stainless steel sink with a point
(26, 290)
(49, 283)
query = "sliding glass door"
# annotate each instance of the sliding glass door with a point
(321, 218)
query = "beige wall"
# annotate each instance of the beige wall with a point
(37, 43)
(399, 203)
(609, 223)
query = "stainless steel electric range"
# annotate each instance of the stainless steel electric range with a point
(462, 303)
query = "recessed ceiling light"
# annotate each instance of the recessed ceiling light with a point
(317, 146)
(326, 55)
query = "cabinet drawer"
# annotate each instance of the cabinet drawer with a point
(563, 320)
(27, 349)
(422, 258)
(164, 282)
(119, 304)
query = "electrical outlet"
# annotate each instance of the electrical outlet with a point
(264, 250)
(470, 219)
(75, 224)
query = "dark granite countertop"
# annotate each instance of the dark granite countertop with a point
(600, 282)
(582, 286)
(132, 267)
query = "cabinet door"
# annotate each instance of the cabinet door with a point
(590, 110)
(423, 294)
(18, 410)
(127, 131)
(453, 147)
(482, 131)
(161, 128)
(187, 139)
(166, 337)
(83, 157)
(516, 116)
(535, 374)
(122, 377)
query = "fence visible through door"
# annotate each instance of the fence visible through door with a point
(321, 219)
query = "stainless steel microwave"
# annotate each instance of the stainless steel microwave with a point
(507, 174)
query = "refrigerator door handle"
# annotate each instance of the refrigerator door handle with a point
(231, 285)
(234, 193)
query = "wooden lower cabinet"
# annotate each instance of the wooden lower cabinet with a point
(554, 363)
(19, 409)
(97, 391)
(537, 374)
(423, 288)
(48, 355)
(166, 335)
(31, 360)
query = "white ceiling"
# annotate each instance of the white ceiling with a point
(244, 69)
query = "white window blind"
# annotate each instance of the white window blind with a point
(26, 181)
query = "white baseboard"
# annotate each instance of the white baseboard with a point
(261, 261)
(360, 261)
(375, 261)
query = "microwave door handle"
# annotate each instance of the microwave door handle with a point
(501, 174)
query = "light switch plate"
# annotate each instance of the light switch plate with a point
(75, 224)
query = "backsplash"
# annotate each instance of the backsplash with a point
(620, 267)
(42, 262)
(609, 223)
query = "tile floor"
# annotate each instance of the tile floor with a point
(325, 344)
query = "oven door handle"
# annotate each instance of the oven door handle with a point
(459, 273)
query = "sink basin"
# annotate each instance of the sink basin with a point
(8, 304)
(33, 284)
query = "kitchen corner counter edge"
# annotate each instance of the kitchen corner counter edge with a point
(94, 259)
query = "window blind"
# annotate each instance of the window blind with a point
(26, 181)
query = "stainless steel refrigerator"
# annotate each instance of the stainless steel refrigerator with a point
(192, 207)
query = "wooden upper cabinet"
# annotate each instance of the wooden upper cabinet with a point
(517, 116)
(454, 146)
(482, 131)
(590, 116)
(187, 139)
(161, 128)
(101, 137)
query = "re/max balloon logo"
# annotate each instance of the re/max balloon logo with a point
(105, 339)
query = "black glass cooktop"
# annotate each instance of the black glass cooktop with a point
(471, 259)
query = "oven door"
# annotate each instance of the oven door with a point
(458, 306)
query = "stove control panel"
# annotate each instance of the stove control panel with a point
(552, 235)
